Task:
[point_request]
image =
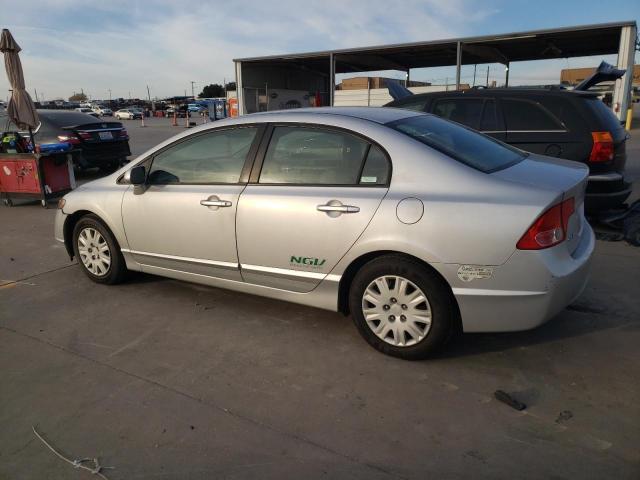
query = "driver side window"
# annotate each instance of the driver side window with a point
(214, 157)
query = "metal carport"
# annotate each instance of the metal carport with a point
(315, 71)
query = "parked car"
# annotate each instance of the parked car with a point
(95, 144)
(87, 110)
(128, 114)
(103, 111)
(195, 107)
(559, 123)
(411, 223)
(180, 112)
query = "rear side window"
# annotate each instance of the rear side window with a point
(462, 144)
(528, 115)
(466, 111)
(314, 156)
(376, 169)
(214, 157)
(605, 117)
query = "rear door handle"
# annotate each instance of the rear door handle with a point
(335, 208)
(338, 208)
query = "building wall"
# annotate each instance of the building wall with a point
(358, 83)
(377, 97)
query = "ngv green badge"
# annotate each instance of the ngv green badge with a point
(307, 261)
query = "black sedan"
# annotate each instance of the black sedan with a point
(102, 144)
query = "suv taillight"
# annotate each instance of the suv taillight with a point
(602, 150)
(549, 229)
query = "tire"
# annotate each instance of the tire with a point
(631, 228)
(109, 167)
(104, 245)
(413, 329)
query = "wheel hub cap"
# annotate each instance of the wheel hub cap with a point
(396, 310)
(94, 251)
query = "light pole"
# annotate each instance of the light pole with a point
(192, 93)
(109, 98)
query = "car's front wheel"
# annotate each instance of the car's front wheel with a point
(97, 251)
(401, 308)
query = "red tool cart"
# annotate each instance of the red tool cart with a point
(38, 176)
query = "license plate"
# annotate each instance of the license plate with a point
(105, 135)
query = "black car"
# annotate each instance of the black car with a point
(574, 125)
(102, 144)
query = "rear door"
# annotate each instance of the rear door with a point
(311, 197)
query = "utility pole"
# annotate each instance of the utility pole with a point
(474, 75)
(109, 98)
(487, 84)
(192, 92)
(36, 92)
(148, 94)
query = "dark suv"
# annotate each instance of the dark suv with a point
(574, 125)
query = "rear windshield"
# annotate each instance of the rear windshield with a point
(606, 119)
(462, 144)
(66, 118)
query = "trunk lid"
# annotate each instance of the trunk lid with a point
(100, 132)
(564, 179)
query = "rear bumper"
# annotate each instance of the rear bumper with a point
(529, 289)
(102, 155)
(606, 191)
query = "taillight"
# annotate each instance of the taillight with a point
(85, 135)
(72, 139)
(123, 133)
(602, 150)
(550, 228)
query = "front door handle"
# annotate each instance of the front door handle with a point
(214, 203)
(335, 208)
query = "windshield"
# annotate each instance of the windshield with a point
(460, 143)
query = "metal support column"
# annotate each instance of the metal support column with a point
(239, 91)
(458, 65)
(622, 89)
(332, 79)
(506, 75)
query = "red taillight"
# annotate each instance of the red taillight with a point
(123, 133)
(602, 150)
(550, 228)
(85, 135)
(72, 139)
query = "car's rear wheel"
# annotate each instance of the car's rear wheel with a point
(97, 251)
(401, 308)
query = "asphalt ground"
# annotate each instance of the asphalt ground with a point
(168, 380)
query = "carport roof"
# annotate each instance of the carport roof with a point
(577, 41)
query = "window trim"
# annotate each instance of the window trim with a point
(246, 167)
(254, 178)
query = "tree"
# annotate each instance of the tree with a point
(212, 91)
(77, 97)
(231, 86)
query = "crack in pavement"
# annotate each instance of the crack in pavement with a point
(202, 401)
(29, 277)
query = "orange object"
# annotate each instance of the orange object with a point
(233, 107)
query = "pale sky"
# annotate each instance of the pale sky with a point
(69, 45)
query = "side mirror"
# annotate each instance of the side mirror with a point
(137, 175)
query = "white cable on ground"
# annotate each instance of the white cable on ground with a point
(78, 463)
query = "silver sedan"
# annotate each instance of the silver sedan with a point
(414, 225)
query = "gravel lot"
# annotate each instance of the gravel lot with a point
(169, 380)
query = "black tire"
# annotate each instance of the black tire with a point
(632, 229)
(440, 301)
(117, 269)
(109, 167)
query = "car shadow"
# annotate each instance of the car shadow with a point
(576, 320)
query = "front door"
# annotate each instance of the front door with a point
(184, 218)
(316, 192)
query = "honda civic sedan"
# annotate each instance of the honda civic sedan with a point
(413, 225)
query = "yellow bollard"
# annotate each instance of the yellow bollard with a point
(629, 117)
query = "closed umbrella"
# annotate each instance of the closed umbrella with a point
(21, 109)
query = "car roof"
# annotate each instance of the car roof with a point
(66, 117)
(373, 114)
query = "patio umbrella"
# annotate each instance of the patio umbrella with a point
(21, 109)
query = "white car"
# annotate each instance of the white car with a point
(128, 114)
(102, 111)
